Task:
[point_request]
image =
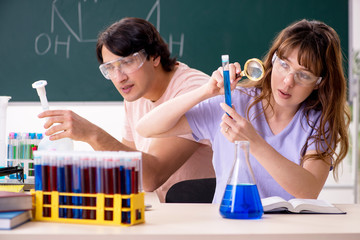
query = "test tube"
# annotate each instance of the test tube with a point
(124, 188)
(226, 74)
(45, 174)
(76, 186)
(117, 174)
(29, 152)
(53, 171)
(20, 149)
(99, 173)
(85, 183)
(9, 148)
(31, 145)
(127, 180)
(137, 171)
(10, 151)
(39, 136)
(15, 152)
(52, 174)
(61, 184)
(38, 175)
(108, 184)
(139, 163)
(128, 174)
(68, 182)
(122, 176)
(92, 184)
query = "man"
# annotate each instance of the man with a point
(137, 61)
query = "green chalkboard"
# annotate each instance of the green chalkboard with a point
(55, 40)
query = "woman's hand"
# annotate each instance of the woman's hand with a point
(237, 128)
(216, 83)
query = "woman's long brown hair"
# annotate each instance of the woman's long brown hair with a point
(320, 52)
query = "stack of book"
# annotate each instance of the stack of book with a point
(14, 209)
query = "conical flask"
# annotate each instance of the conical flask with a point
(241, 198)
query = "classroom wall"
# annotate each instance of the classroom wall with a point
(22, 117)
(356, 22)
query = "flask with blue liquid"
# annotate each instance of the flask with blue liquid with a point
(241, 198)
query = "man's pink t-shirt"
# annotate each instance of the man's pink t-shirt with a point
(199, 165)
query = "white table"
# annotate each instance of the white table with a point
(202, 221)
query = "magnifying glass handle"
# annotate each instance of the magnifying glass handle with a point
(240, 75)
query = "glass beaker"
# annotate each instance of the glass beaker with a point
(241, 198)
(3, 109)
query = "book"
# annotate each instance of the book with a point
(10, 220)
(277, 205)
(14, 201)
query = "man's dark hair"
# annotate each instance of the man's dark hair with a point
(130, 35)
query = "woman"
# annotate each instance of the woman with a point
(295, 117)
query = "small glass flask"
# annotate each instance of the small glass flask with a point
(241, 198)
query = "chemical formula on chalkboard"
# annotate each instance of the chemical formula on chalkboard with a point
(52, 43)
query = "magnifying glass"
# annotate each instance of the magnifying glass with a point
(253, 70)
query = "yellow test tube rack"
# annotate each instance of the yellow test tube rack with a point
(136, 209)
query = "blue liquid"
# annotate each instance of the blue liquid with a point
(76, 188)
(38, 177)
(99, 180)
(61, 188)
(227, 87)
(241, 202)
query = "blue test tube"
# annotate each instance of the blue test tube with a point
(226, 74)
(76, 186)
(123, 188)
(38, 175)
(127, 177)
(122, 177)
(99, 174)
(127, 180)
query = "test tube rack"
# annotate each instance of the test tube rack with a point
(88, 187)
(20, 152)
(136, 210)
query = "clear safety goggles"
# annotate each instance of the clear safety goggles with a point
(124, 65)
(303, 78)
